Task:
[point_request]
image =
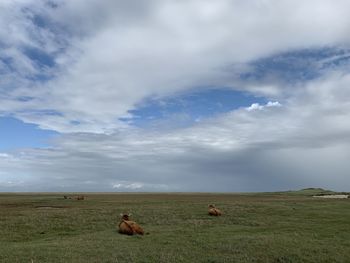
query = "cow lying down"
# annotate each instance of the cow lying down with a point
(80, 197)
(128, 227)
(213, 211)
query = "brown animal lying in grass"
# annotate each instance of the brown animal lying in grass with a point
(80, 197)
(213, 211)
(128, 227)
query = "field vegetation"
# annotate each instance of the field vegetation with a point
(262, 227)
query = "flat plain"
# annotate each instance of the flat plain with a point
(256, 227)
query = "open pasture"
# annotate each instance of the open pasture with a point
(264, 227)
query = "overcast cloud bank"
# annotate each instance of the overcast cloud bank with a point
(66, 67)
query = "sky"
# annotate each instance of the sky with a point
(174, 96)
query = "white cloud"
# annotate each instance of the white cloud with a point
(273, 104)
(132, 186)
(110, 60)
(257, 106)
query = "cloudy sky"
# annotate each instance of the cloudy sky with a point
(188, 95)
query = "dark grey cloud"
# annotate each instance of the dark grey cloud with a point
(301, 143)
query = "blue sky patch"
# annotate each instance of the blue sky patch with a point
(17, 134)
(39, 21)
(46, 112)
(25, 98)
(41, 58)
(297, 66)
(192, 106)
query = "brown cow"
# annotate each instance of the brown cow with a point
(80, 197)
(128, 227)
(213, 211)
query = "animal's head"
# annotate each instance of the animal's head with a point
(125, 216)
(211, 206)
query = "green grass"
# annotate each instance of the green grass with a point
(265, 227)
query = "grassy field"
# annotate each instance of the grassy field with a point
(264, 227)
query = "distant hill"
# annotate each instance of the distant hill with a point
(316, 191)
(309, 191)
(313, 189)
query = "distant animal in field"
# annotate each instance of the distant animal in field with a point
(213, 211)
(80, 197)
(65, 197)
(128, 227)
